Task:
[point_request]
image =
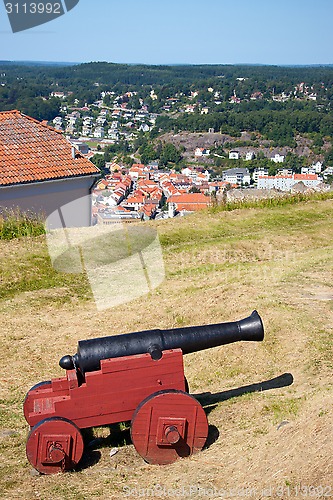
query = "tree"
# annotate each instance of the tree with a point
(272, 169)
(318, 141)
(329, 156)
(147, 153)
(99, 161)
(329, 179)
(154, 133)
(293, 161)
(170, 154)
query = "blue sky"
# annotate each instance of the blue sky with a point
(179, 31)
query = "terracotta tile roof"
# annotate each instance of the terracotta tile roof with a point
(136, 166)
(30, 151)
(190, 207)
(190, 198)
(136, 198)
(102, 184)
(120, 209)
(306, 177)
(190, 201)
(148, 209)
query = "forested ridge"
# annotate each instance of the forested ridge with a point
(28, 88)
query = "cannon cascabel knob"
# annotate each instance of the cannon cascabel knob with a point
(66, 362)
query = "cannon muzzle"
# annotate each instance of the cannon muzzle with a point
(189, 339)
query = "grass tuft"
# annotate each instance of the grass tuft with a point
(16, 224)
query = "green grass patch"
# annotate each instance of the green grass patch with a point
(220, 225)
(281, 201)
(17, 224)
(29, 269)
(282, 409)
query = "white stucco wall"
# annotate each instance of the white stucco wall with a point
(48, 196)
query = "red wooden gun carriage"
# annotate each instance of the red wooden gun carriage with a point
(137, 377)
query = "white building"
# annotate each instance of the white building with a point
(57, 120)
(113, 134)
(100, 121)
(57, 123)
(328, 171)
(280, 182)
(277, 158)
(286, 182)
(240, 176)
(285, 171)
(234, 155)
(144, 128)
(201, 152)
(317, 167)
(259, 172)
(189, 172)
(308, 170)
(86, 130)
(99, 132)
(250, 156)
(87, 120)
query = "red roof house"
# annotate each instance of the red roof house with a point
(188, 202)
(41, 171)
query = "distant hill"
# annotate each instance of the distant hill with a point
(111, 73)
(36, 63)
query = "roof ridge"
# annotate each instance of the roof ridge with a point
(18, 112)
(37, 155)
(9, 111)
(40, 122)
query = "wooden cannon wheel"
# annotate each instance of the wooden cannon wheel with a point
(28, 404)
(167, 425)
(54, 445)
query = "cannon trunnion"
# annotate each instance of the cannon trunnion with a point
(137, 377)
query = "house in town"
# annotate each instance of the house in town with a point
(184, 203)
(117, 215)
(259, 172)
(234, 155)
(315, 168)
(134, 202)
(99, 132)
(286, 182)
(239, 176)
(86, 130)
(41, 172)
(327, 172)
(201, 152)
(285, 171)
(250, 156)
(277, 158)
(82, 147)
(58, 122)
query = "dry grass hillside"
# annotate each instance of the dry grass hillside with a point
(269, 404)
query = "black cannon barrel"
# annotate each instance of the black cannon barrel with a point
(189, 339)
